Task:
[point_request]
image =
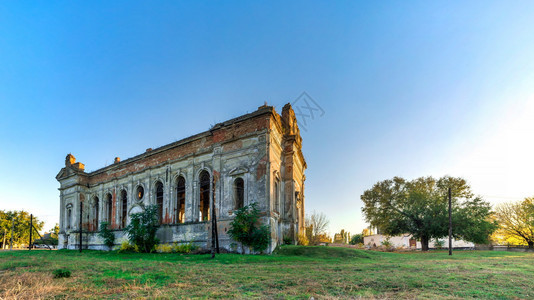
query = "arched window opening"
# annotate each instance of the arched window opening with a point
(124, 201)
(204, 203)
(109, 203)
(83, 212)
(159, 200)
(140, 192)
(69, 218)
(180, 200)
(239, 193)
(95, 213)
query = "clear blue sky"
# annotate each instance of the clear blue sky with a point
(408, 89)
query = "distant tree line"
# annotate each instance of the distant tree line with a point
(19, 221)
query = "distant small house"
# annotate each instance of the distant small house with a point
(408, 242)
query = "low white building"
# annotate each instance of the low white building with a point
(406, 241)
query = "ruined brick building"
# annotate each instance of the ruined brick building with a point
(256, 157)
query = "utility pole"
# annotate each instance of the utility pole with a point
(12, 228)
(81, 207)
(213, 224)
(450, 222)
(214, 233)
(31, 229)
(216, 236)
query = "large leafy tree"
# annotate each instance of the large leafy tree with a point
(420, 207)
(516, 221)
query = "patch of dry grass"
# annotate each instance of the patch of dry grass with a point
(29, 285)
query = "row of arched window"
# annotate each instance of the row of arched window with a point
(179, 213)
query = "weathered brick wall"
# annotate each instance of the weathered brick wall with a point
(228, 136)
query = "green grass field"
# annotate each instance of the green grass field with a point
(292, 272)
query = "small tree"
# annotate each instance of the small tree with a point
(387, 243)
(439, 244)
(324, 238)
(316, 225)
(367, 232)
(142, 229)
(54, 232)
(356, 239)
(106, 234)
(246, 229)
(303, 240)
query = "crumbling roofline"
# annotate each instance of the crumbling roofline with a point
(188, 156)
(261, 111)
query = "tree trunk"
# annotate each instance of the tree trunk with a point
(530, 244)
(424, 243)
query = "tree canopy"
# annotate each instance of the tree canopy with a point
(516, 222)
(420, 207)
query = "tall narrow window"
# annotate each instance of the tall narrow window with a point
(159, 200)
(69, 217)
(124, 201)
(109, 203)
(277, 195)
(239, 193)
(95, 214)
(204, 203)
(180, 200)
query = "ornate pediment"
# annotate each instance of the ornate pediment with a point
(67, 172)
(238, 171)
